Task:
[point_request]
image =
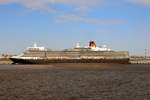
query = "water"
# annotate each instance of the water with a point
(75, 82)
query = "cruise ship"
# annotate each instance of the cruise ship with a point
(78, 54)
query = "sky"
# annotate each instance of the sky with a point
(59, 24)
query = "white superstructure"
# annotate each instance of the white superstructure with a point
(103, 48)
(35, 47)
(93, 47)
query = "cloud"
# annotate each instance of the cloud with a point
(75, 18)
(78, 5)
(141, 2)
(6, 1)
(46, 4)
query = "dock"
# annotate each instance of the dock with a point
(139, 60)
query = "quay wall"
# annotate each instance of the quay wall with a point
(5, 61)
(139, 60)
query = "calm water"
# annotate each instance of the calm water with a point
(75, 82)
(82, 67)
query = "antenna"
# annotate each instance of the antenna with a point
(145, 52)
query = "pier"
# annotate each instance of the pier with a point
(139, 60)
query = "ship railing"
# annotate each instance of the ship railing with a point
(35, 58)
(93, 57)
(60, 57)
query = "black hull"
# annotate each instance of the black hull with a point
(49, 61)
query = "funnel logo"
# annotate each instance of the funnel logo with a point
(92, 44)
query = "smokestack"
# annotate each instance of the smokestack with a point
(92, 44)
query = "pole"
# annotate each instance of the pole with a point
(145, 53)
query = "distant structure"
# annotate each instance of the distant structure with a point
(146, 52)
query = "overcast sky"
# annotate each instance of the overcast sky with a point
(59, 24)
